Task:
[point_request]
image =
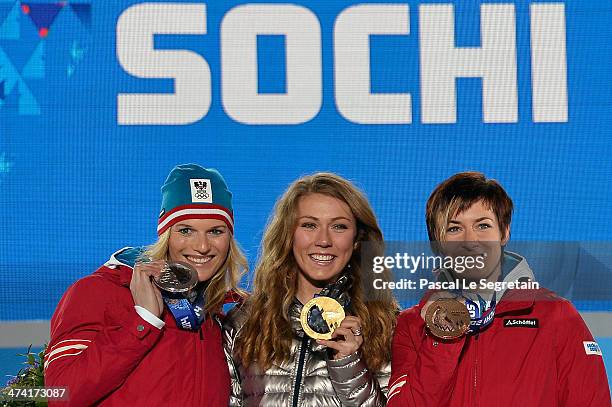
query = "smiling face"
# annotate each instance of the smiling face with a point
(476, 232)
(203, 243)
(322, 241)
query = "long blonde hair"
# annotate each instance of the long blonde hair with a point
(275, 282)
(225, 279)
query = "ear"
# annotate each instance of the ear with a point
(506, 236)
(359, 236)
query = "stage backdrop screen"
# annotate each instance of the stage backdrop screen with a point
(100, 99)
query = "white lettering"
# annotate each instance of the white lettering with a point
(302, 31)
(548, 64)
(441, 63)
(185, 322)
(377, 264)
(403, 284)
(352, 32)
(137, 56)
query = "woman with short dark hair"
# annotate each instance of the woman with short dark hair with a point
(473, 345)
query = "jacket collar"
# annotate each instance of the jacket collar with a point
(295, 311)
(514, 300)
(120, 264)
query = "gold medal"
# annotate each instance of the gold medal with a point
(447, 318)
(331, 312)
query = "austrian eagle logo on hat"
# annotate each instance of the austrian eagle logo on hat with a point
(201, 190)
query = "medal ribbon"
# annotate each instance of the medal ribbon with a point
(480, 316)
(188, 315)
(337, 291)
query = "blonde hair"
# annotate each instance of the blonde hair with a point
(275, 281)
(225, 279)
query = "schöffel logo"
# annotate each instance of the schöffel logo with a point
(521, 322)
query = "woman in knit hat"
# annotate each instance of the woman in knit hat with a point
(311, 249)
(117, 339)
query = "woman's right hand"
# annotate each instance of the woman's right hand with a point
(144, 292)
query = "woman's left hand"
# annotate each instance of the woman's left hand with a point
(346, 339)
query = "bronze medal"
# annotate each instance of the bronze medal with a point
(332, 315)
(447, 318)
(177, 277)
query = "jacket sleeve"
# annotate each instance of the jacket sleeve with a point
(582, 379)
(354, 384)
(94, 347)
(230, 332)
(422, 368)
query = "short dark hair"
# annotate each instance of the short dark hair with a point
(458, 193)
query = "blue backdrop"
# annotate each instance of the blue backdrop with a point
(76, 184)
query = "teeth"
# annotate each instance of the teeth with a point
(199, 260)
(322, 257)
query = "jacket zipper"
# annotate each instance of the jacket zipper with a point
(475, 369)
(300, 369)
(198, 378)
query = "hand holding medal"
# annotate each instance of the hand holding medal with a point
(144, 292)
(148, 278)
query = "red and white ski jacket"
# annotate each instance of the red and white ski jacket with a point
(537, 352)
(105, 354)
